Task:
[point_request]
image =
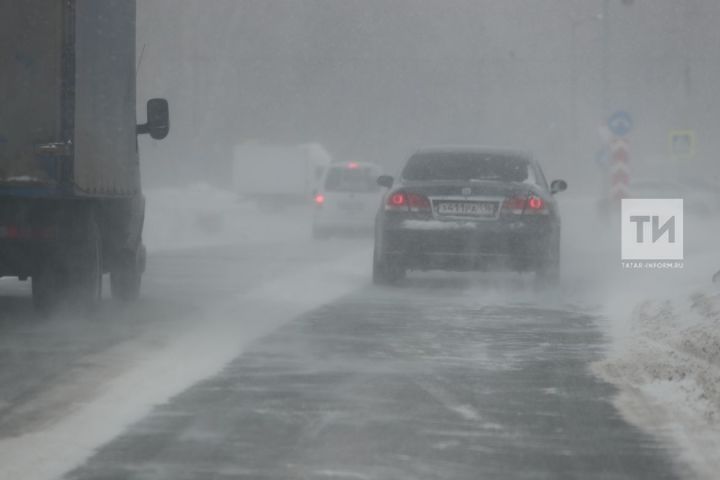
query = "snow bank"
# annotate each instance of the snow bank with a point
(663, 328)
(201, 215)
(664, 355)
(668, 370)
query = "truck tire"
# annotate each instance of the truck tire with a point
(74, 277)
(45, 290)
(86, 276)
(126, 277)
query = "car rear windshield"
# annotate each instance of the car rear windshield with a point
(468, 166)
(357, 180)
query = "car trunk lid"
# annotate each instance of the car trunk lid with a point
(475, 200)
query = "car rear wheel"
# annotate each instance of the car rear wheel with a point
(548, 273)
(387, 271)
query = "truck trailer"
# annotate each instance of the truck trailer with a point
(71, 203)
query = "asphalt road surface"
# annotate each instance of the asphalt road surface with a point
(422, 381)
(49, 364)
(443, 377)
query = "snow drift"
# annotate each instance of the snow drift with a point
(668, 372)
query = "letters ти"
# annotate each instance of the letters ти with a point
(657, 230)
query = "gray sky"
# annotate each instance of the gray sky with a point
(374, 79)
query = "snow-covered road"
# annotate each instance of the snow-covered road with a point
(439, 378)
(221, 276)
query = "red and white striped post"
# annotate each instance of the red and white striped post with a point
(619, 124)
(619, 169)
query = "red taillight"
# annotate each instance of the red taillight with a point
(529, 205)
(353, 166)
(397, 200)
(408, 202)
(14, 232)
(418, 203)
(319, 199)
(514, 205)
(535, 203)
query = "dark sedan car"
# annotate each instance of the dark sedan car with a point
(468, 208)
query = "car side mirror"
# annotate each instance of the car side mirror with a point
(557, 186)
(385, 181)
(158, 119)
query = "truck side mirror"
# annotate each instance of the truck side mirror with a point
(158, 119)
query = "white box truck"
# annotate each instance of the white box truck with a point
(278, 176)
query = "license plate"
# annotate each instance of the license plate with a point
(467, 209)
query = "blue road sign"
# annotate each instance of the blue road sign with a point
(620, 123)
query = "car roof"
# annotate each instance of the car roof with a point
(476, 149)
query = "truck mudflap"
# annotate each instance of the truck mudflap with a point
(72, 270)
(21, 259)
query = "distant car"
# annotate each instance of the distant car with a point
(347, 199)
(468, 208)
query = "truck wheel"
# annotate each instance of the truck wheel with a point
(126, 277)
(86, 280)
(45, 290)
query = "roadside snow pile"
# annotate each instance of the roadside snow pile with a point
(668, 370)
(201, 215)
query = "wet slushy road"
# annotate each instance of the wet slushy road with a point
(430, 380)
(447, 376)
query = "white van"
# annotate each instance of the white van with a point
(347, 199)
(276, 176)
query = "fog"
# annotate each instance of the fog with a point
(279, 334)
(373, 80)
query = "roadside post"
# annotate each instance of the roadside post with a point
(620, 125)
